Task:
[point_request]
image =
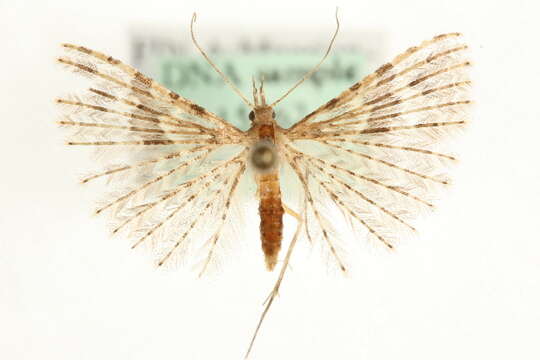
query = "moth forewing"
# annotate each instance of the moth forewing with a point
(171, 152)
(395, 122)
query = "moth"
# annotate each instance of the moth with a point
(376, 154)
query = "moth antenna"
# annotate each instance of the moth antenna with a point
(312, 71)
(223, 76)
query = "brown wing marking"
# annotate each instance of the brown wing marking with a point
(164, 94)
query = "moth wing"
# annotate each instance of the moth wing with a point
(173, 167)
(378, 152)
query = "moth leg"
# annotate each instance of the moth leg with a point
(270, 299)
(293, 213)
(299, 218)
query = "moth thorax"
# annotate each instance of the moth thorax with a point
(264, 156)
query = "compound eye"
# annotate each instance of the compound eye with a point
(273, 114)
(251, 115)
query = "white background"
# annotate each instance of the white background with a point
(467, 288)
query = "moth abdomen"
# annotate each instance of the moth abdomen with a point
(271, 213)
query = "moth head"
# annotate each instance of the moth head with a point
(261, 113)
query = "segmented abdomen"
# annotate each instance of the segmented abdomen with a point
(271, 212)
